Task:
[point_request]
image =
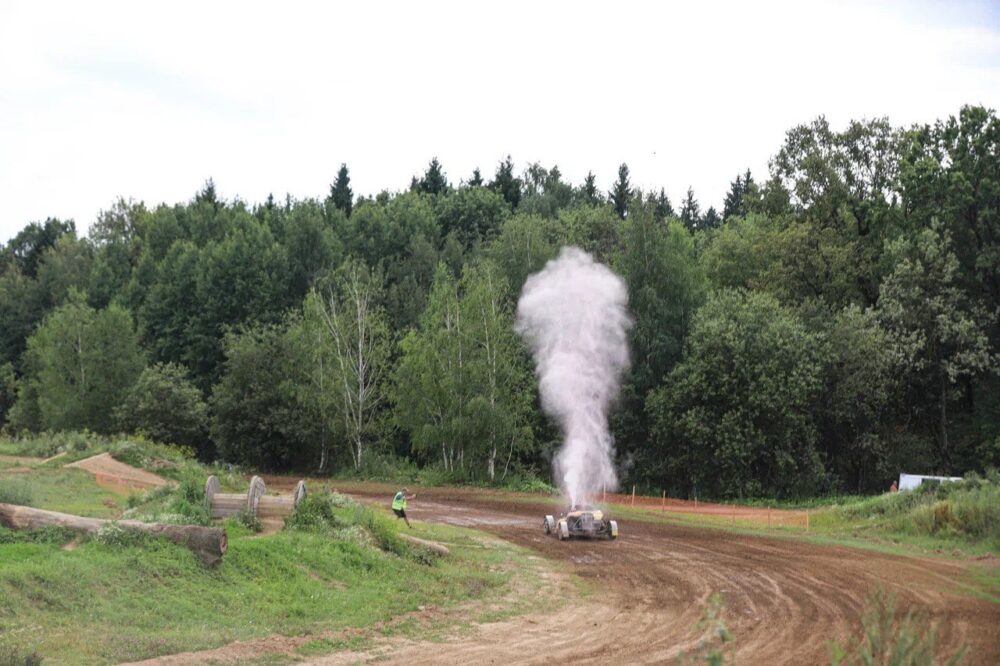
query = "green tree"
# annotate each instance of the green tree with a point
(733, 419)
(690, 212)
(341, 195)
(462, 388)
(433, 181)
(256, 420)
(506, 184)
(589, 194)
(165, 406)
(477, 178)
(666, 286)
(939, 332)
(621, 192)
(81, 364)
(473, 214)
(357, 327)
(663, 209)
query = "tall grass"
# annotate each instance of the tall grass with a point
(968, 510)
(15, 491)
(890, 638)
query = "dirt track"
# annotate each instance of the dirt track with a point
(784, 599)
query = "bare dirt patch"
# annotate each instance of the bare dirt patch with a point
(114, 475)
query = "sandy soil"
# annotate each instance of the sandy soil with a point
(115, 475)
(784, 598)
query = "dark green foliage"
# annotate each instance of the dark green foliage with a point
(341, 195)
(30, 244)
(589, 194)
(165, 406)
(433, 181)
(473, 214)
(690, 212)
(80, 365)
(732, 419)
(256, 417)
(506, 184)
(621, 192)
(663, 209)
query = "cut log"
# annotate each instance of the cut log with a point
(228, 504)
(299, 493)
(208, 543)
(431, 545)
(275, 506)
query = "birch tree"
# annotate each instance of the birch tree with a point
(356, 324)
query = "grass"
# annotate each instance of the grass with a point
(338, 566)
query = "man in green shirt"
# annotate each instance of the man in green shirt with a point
(399, 505)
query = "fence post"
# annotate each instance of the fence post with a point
(768, 517)
(734, 515)
(663, 504)
(807, 521)
(633, 494)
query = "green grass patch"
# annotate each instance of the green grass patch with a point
(67, 490)
(118, 598)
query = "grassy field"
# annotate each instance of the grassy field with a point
(337, 567)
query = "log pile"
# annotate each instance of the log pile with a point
(208, 543)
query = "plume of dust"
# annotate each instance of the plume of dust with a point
(573, 315)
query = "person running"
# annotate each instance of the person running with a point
(399, 505)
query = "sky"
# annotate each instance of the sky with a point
(148, 100)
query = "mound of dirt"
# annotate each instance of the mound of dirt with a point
(110, 472)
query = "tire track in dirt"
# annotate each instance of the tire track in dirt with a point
(784, 598)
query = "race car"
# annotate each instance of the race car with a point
(581, 521)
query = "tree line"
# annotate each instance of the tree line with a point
(835, 323)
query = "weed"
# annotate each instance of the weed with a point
(14, 656)
(54, 536)
(116, 536)
(890, 639)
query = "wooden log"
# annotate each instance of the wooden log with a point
(228, 504)
(430, 545)
(275, 506)
(208, 543)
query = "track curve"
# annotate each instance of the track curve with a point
(785, 599)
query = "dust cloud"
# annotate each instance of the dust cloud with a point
(574, 316)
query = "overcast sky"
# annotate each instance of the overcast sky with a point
(100, 100)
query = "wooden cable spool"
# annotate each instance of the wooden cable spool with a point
(279, 506)
(223, 505)
(255, 501)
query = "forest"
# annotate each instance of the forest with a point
(830, 324)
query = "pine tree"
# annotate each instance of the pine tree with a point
(690, 213)
(622, 191)
(434, 180)
(340, 192)
(589, 190)
(662, 208)
(477, 178)
(711, 219)
(506, 184)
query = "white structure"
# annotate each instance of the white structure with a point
(911, 481)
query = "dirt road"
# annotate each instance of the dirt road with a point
(784, 599)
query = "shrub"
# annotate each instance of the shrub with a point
(315, 513)
(15, 491)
